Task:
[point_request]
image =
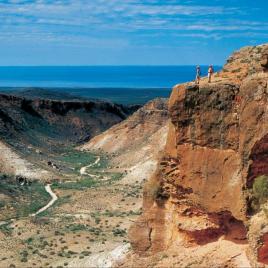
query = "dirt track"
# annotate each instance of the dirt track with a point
(84, 169)
(51, 202)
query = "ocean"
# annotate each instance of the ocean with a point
(121, 84)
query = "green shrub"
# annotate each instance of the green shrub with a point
(79, 185)
(2, 203)
(236, 70)
(6, 228)
(119, 232)
(77, 227)
(26, 199)
(86, 253)
(29, 240)
(260, 191)
(24, 259)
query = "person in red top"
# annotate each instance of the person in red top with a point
(210, 73)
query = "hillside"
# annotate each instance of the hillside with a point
(41, 93)
(136, 142)
(70, 120)
(206, 204)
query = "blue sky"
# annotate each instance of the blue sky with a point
(126, 32)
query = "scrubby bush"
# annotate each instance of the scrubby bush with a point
(260, 188)
(2, 204)
(260, 191)
(6, 228)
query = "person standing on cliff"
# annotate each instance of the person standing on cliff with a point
(210, 73)
(198, 74)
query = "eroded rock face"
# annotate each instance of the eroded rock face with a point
(263, 250)
(216, 147)
(264, 60)
(259, 158)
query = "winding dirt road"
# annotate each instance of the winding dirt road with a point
(51, 202)
(83, 170)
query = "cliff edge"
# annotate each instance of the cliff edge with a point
(206, 203)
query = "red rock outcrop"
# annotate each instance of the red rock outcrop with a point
(263, 250)
(216, 147)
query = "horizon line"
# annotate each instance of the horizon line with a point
(110, 65)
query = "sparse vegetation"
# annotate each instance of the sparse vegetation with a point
(77, 159)
(25, 199)
(245, 61)
(79, 185)
(76, 227)
(2, 204)
(236, 70)
(64, 234)
(115, 177)
(6, 228)
(119, 232)
(99, 231)
(24, 256)
(86, 253)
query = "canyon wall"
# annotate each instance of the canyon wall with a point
(217, 146)
(68, 120)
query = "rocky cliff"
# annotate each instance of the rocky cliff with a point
(206, 204)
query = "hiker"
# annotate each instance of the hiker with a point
(198, 74)
(210, 72)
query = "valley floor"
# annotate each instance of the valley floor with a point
(86, 226)
(64, 206)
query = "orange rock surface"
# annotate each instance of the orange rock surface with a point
(201, 193)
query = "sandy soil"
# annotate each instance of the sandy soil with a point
(12, 163)
(104, 259)
(221, 253)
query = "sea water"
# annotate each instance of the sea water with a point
(121, 84)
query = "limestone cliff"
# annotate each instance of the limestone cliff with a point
(202, 192)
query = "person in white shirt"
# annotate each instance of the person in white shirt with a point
(210, 73)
